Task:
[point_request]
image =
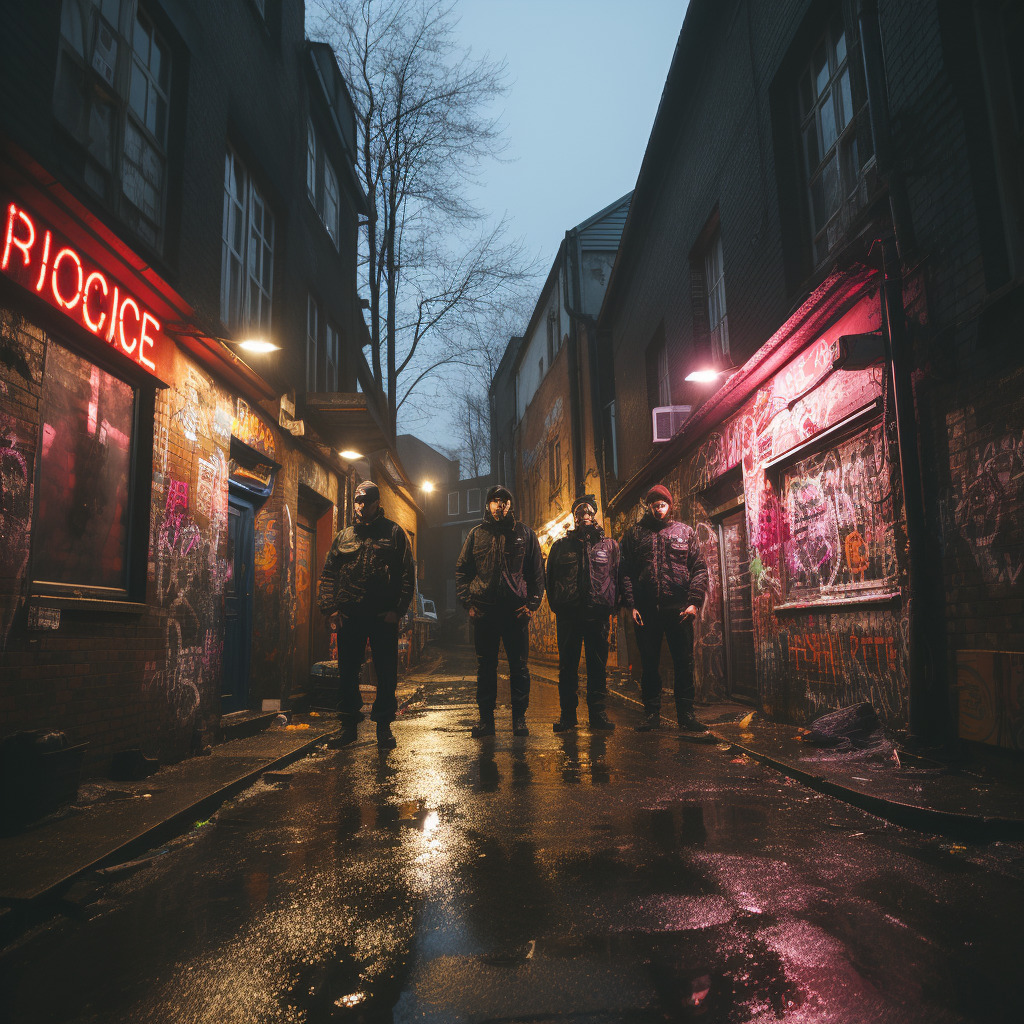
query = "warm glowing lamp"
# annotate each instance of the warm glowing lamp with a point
(350, 456)
(257, 346)
(428, 487)
(703, 376)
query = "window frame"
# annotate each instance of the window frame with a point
(312, 332)
(331, 348)
(554, 465)
(325, 182)
(715, 297)
(113, 91)
(239, 319)
(469, 500)
(455, 495)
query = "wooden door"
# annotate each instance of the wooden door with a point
(739, 618)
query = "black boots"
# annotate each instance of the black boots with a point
(650, 722)
(519, 726)
(600, 721)
(485, 727)
(688, 723)
(385, 739)
(347, 735)
(564, 724)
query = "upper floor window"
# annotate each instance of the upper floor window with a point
(332, 358)
(714, 285)
(112, 93)
(247, 251)
(554, 466)
(453, 503)
(322, 183)
(835, 134)
(659, 382)
(311, 333)
(473, 499)
(664, 381)
(552, 337)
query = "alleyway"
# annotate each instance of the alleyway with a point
(571, 878)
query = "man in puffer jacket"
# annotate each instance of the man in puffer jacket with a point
(366, 586)
(664, 583)
(499, 578)
(582, 585)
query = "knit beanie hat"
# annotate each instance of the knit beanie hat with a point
(498, 492)
(658, 493)
(369, 490)
(585, 499)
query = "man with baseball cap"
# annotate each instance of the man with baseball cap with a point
(664, 583)
(366, 586)
(582, 586)
(499, 578)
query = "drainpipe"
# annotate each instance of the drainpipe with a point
(926, 633)
(577, 318)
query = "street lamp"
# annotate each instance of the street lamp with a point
(350, 456)
(258, 346)
(708, 376)
(428, 487)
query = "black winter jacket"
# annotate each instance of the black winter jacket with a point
(500, 566)
(662, 566)
(583, 574)
(368, 570)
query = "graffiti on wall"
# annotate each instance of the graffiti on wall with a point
(250, 429)
(987, 506)
(991, 687)
(15, 519)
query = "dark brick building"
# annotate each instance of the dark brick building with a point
(828, 222)
(176, 179)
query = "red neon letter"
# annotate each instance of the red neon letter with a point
(61, 301)
(46, 259)
(13, 213)
(138, 316)
(113, 318)
(98, 326)
(145, 339)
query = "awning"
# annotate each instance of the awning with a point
(841, 290)
(347, 421)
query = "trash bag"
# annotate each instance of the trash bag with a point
(848, 730)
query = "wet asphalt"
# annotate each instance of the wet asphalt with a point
(578, 877)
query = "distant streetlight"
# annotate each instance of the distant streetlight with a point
(257, 346)
(427, 486)
(350, 456)
(708, 376)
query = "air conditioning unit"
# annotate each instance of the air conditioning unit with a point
(668, 420)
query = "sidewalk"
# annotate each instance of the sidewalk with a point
(115, 821)
(917, 793)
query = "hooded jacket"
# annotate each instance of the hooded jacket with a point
(662, 566)
(500, 566)
(582, 573)
(368, 570)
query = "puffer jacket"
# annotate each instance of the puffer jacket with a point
(582, 574)
(368, 570)
(500, 566)
(662, 566)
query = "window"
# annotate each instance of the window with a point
(611, 458)
(837, 522)
(322, 183)
(714, 284)
(112, 93)
(835, 135)
(664, 382)
(554, 466)
(311, 329)
(332, 359)
(453, 503)
(83, 496)
(473, 499)
(552, 337)
(247, 252)
(659, 382)
(540, 369)
(310, 162)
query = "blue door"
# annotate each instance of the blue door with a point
(238, 605)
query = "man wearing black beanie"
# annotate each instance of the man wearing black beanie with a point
(366, 586)
(499, 578)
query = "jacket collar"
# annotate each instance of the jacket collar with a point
(652, 523)
(508, 524)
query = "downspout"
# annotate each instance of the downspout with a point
(589, 324)
(925, 626)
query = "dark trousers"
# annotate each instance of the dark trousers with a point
(507, 628)
(353, 633)
(679, 637)
(574, 632)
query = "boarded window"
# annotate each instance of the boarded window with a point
(837, 532)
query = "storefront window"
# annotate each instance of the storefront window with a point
(837, 519)
(81, 526)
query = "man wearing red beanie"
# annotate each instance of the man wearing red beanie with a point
(664, 583)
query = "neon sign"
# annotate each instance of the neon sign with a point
(38, 260)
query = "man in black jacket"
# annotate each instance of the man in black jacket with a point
(664, 583)
(582, 584)
(366, 586)
(499, 577)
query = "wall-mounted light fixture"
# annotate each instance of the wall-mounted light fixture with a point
(350, 456)
(258, 346)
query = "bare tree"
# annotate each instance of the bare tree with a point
(431, 265)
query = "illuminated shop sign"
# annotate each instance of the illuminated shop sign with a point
(41, 261)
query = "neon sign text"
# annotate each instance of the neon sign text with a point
(77, 290)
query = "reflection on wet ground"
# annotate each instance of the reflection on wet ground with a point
(573, 877)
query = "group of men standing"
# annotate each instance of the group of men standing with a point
(658, 574)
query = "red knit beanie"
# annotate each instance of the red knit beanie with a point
(658, 493)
